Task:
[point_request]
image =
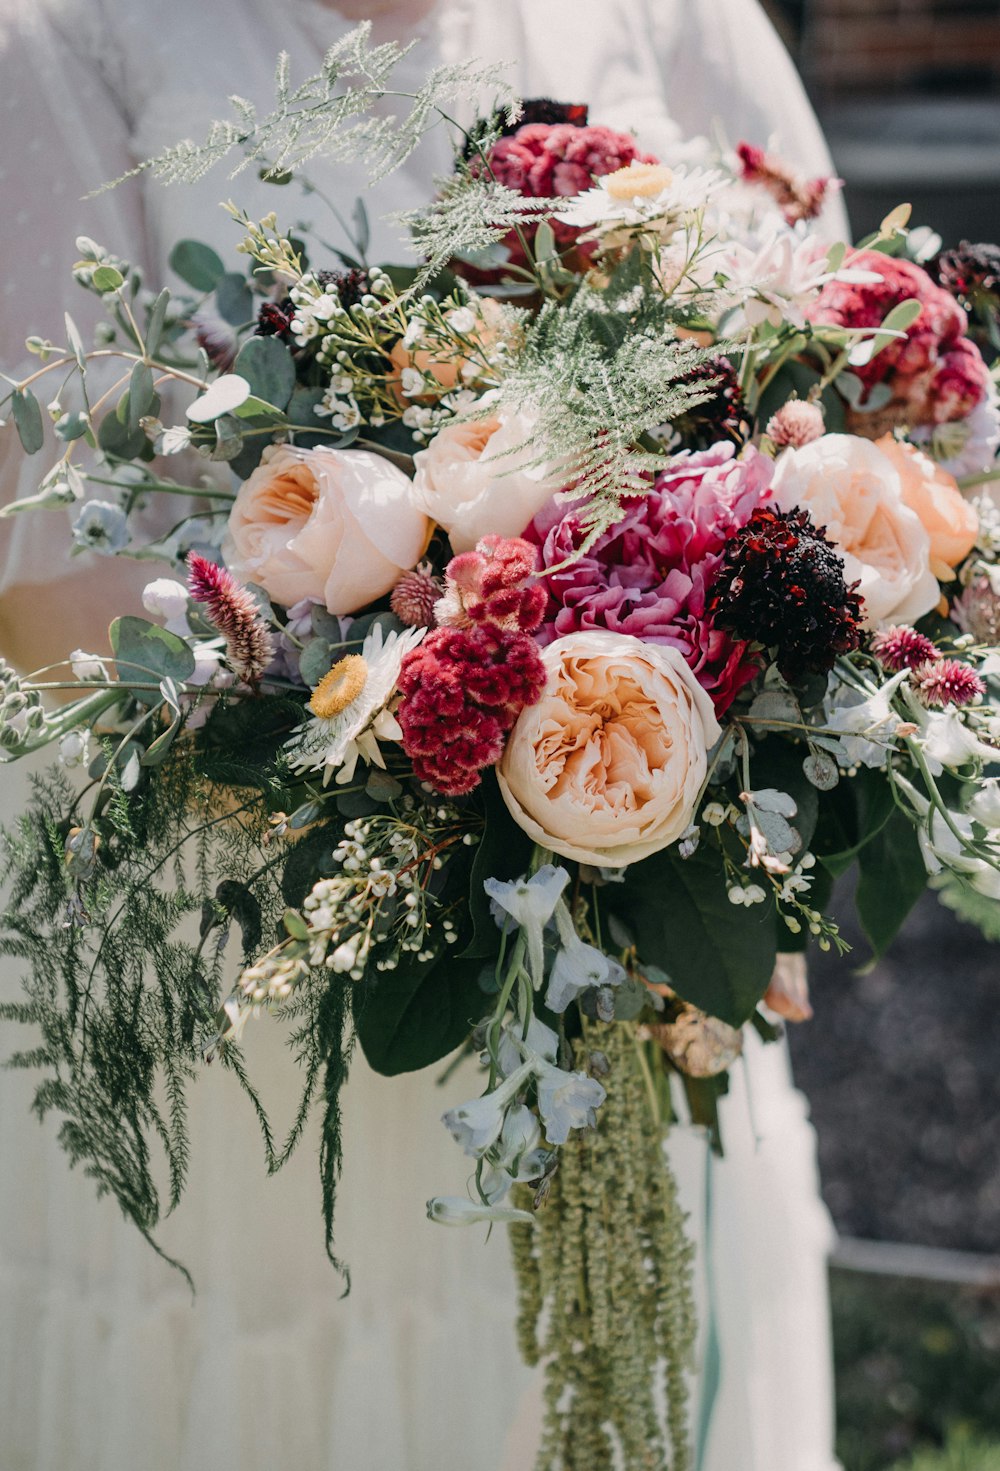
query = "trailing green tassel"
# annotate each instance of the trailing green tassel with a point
(605, 1277)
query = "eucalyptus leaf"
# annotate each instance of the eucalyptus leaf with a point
(233, 299)
(155, 323)
(197, 264)
(28, 420)
(75, 342)
(71, 426)
(107, 278)
(145, 653)
(315, 661)
(268, 367)
(141, 393)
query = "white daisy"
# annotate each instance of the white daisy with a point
(349, 708)
(643, 198)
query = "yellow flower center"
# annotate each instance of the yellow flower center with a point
(337, 689)
(638, 181)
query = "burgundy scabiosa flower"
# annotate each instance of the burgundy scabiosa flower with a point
(782, 584)
(234, 612)
(722, 415)
(465, 685)
(966, 270)
(274, 319)
(653, 572)
(947, 682)
(902, 647)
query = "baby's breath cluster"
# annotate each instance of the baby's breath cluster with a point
(393, 356)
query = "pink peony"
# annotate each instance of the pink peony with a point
(556, 161)
(935, 373)
(651, 574)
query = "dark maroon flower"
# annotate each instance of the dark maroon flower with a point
(968, 269)
(782, 584)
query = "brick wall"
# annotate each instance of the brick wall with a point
(851, 46)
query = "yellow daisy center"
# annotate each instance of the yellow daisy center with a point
(638, 181)
(337, 689)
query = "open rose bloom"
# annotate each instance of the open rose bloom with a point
(607, 766)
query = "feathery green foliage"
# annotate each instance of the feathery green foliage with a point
(125, 965)
(599, 374)
(333, 114)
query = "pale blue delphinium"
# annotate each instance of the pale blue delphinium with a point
(477, 1125)
(578, 966)
(517, 1155)
(456, 1210)
(541, 1041)
(566, 1101)
(530, 903)
(101, 526)
(866, 727)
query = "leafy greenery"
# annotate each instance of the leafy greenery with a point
(332, 114)
(597, 376)
(892, 877)
(115, 907)
(718, 956)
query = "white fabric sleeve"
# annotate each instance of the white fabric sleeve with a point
(64, 135)
(723, 67)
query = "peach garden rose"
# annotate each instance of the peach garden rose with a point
(476, 478)
(606, 768)
(337, 526)
(851, 487)
(928, 489)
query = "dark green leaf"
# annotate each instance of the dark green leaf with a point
(892, 878)
(233, 299)
(28, 420)
(197, 264)
(719, 955)
(301, 411)
(309, 859)
(413, 1016)
(850, 816)
(115, 439)
(268, 367)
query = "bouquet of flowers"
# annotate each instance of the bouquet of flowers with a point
(547, 624)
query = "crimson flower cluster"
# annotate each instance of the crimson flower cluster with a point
(796, 197)
(782, 584)
(234, 612)
(938, 682)
(465, 685)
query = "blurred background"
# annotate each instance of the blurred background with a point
(901, 1061)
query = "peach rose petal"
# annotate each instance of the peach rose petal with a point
(338, 526)
(929, 491)
(607, 767)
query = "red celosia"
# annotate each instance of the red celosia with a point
(935, 373)
(947, 682)
(488, 585)
(462, 689)
(796, 197)
(234, 611)
(902, 647)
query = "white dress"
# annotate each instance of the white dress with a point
(105, 1362)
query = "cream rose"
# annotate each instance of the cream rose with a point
(334, 525)
(929, 490)
(607, 767)
(476, 477)
(849, 486)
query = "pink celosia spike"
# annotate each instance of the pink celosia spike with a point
(234, 612)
